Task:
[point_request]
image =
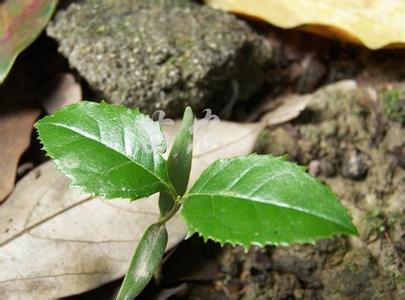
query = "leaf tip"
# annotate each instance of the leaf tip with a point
(352, 229)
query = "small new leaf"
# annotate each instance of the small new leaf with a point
(181, 154)
(179, 161)
(108, 150)
(261, 199)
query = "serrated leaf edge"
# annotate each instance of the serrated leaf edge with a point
(282, 206)
(206, 237)
(284, 158)
(193, 229)
(73, 184)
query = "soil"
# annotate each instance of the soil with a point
(351, 136)
(347, 140)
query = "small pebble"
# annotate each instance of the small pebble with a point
(399, 153)
(354, 166)
(322, 167)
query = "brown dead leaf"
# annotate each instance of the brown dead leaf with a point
(290, 107)
(15, 137)
(61, 91)
(56, 241)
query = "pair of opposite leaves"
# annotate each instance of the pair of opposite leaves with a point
(115, 152)
(271, 213)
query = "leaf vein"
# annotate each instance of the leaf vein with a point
(94, 138)
(275, 202)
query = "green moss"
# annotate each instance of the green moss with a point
(277, 142)
(377, 223)
(394, 104)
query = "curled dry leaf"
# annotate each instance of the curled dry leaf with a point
(289, 108)
(375, 24)
(21, 21)
(56, 241)
(15, 137)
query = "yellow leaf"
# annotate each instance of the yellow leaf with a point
(373, 23)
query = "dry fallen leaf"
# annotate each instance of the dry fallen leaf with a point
(281, 110)
(56, 241)
(61, 91)
(290, 108)
(375, 24)
(15, 137)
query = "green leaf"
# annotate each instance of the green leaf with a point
(21, 21)
(147, 258)
(108, 150)
(179, 161)
(261, 199)
(181, 154)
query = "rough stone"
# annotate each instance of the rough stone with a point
(321, 167)
(163, 54)
(354, 166)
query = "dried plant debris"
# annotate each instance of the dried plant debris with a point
(15, 137)
(375, 24)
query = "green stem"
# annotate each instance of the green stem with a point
(172, 211)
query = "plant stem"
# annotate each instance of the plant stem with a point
(172, 211)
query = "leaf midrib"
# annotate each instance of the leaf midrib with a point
(258, 200)
(93, 138)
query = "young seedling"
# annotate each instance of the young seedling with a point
(116, 152)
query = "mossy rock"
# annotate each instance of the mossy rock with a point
(163, 54)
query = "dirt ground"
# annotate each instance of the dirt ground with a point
(351, 136)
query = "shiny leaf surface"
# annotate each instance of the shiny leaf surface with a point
(261, 199)
(146, 260)
(108, 150)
